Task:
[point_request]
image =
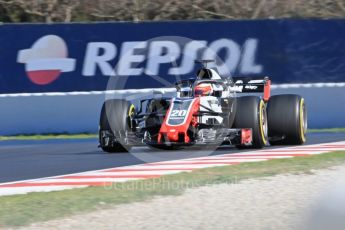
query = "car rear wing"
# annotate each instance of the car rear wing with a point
(253, 85)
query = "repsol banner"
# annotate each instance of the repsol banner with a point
(83, 57)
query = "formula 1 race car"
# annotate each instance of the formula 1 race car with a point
(206, 111)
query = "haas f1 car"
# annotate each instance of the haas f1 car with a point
(207, 111)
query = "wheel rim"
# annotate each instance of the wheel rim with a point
(303, 120)
(131, 111)
(263, 122)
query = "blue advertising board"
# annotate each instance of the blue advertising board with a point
(83, 57)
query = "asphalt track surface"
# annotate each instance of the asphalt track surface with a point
(22, 160)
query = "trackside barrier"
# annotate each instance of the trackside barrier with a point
(81, 56)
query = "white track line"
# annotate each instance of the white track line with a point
(25, 190)
(164, 90)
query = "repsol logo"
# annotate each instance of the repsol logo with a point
(100, 55)
(48, 57)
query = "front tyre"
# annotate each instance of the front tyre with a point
(287, 120)
(251, 113)
(115, 122)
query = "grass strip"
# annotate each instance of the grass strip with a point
(330, 130)
(48, 136)
(19, 210)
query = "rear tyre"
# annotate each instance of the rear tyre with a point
(287, 120)
(251, 113)
(115, 119)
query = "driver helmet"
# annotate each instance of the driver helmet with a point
(203, 89)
